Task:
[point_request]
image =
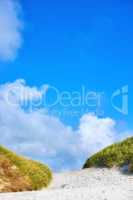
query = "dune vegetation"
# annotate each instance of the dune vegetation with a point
(117, 155)
(20, 174)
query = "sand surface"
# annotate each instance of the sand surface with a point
(90, 184)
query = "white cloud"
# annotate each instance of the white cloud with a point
(96, 133)
(44, 137)
(10, 29)
(19, 92)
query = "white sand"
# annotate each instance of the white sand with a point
(90, 184)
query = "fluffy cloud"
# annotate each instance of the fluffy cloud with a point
(19, 92)
(38, 135)
(96, 133)
(10, 29)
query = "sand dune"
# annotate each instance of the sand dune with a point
(89, 184)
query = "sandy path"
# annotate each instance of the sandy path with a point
(92, 184)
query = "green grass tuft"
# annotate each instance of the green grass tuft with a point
(37, 174)
(116, 155)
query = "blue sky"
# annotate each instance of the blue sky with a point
(70, 44)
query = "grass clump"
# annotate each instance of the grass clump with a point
(34, 175)
(116, 155)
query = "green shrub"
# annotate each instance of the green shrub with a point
(116, 155)
(39, 174)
